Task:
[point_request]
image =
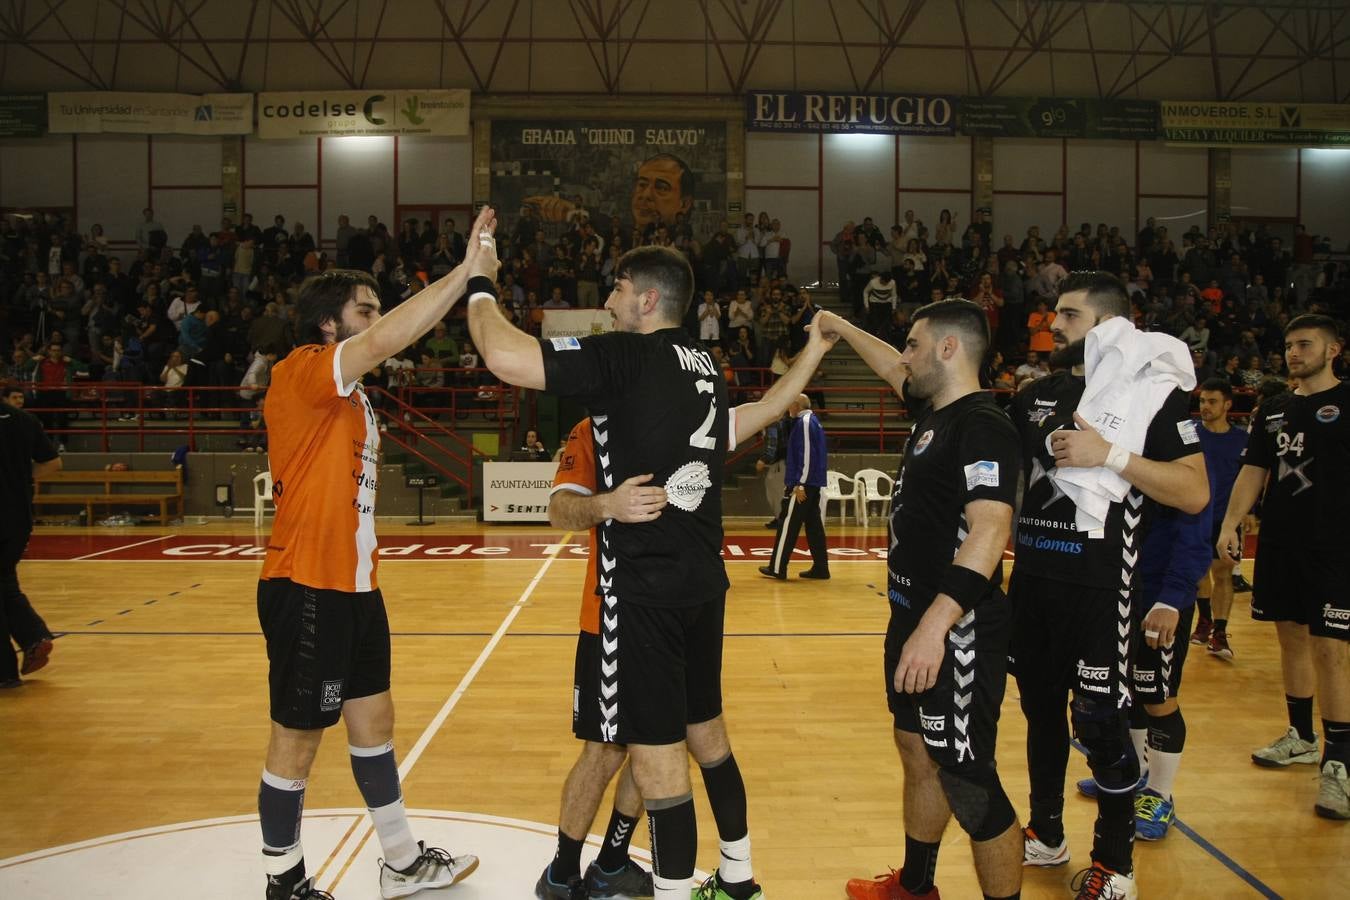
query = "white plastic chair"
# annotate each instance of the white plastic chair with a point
(874, 486)
(262, 493)
(835, 483)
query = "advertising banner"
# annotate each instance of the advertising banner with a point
(623, 173)
(23, 115)
(122, 112)
(575, 323)
(1051, 117)
(1228, 124)
(862, 113)
(294, 114)
(517, 491)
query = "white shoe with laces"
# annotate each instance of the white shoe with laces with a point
(1333, 795)
(1100, 883)
(1289, 749)
(1037, 853)
(434, 868)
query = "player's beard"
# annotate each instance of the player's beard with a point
(924, 386)
(1070, 355)
(1308, 369)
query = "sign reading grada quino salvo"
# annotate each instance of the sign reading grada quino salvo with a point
(295, 114)
(875, 113)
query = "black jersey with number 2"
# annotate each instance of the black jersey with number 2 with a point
(965, 451)
(1304, 441)
(658, 405)
(1048, 542)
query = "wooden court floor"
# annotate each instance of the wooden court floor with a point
(153, 712)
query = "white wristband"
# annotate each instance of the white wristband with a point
(1117, 459)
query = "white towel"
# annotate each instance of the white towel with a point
(1130, 374)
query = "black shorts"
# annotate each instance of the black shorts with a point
(586, 688)
(958, 716)
(1303, 585)
(1214, 542)
(1156, 673)
(1069, 637)
(660, 670)
(323, 648)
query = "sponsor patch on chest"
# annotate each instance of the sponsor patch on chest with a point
(687, 485)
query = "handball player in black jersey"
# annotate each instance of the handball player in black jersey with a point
(1300, 446)
(658, 407)
(945, 659)
(1071, 590)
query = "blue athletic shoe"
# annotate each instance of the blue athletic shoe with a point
(1088, 786)
(1152, 815)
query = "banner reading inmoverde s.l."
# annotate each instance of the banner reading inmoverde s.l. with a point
(294, 114)
(125, 112)
(1228, 124)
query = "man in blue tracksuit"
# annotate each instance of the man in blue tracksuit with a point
(803, 479)
(1173, 558)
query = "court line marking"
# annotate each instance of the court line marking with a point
(1222, 858)
(162, 537)
(459, 634)
(452, 701)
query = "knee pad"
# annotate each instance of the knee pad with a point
(977, 799)
(1103, 728)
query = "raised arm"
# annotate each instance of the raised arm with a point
(880, 356)
(418, 315)
(509, 353)
(754, 417)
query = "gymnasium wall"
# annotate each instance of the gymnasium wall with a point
(813, 183)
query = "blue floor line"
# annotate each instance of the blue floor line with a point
(1223, 859)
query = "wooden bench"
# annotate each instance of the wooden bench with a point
(108, 488)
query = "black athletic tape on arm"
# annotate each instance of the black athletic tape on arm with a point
(966, 586)
(481, 284)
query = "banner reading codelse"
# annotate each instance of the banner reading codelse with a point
(293, 114)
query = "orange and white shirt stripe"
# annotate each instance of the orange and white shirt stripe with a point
(323, 451)
(576, 473)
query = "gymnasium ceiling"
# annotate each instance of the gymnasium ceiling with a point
(1181, 49)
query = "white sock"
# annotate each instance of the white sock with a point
(1162, 772)
(673, 888)
(396, 838)
(280, 865)
(1139, 737)
(735, 864)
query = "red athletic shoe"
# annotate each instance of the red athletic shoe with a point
(1203, 628)
(884, 887)
(1218, 645)
(36, 656)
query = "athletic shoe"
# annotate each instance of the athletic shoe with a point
(631, 881)
(1240, 584)
(1218, 645)
(773, 525)
(1037, 853)
(36, 656)
(712, 890)
(305, 890)
(885, 887)
(1289, 749)
(547, 889)
(812, 573)
(1152, 815)
(434, 868)
(1100, 883)
(1088, 786)
(1333, 797)
(1202, 630)
(768, 572)
(10, 683)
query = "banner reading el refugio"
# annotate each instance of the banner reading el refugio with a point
(919, 114)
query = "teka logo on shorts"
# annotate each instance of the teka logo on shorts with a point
(332, 696)
(686, 487)
(1335, 617)
(1328, 414)
(924, 440)
(1144, 676)
(1094, 673)
(932, 723)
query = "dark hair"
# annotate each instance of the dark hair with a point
(11, 389)
(1271, 387)
(664, 270)
(323, 297)
(962, 316)
(1105, 292)
(686, 174)
(1221, 385)
(1322, 323)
